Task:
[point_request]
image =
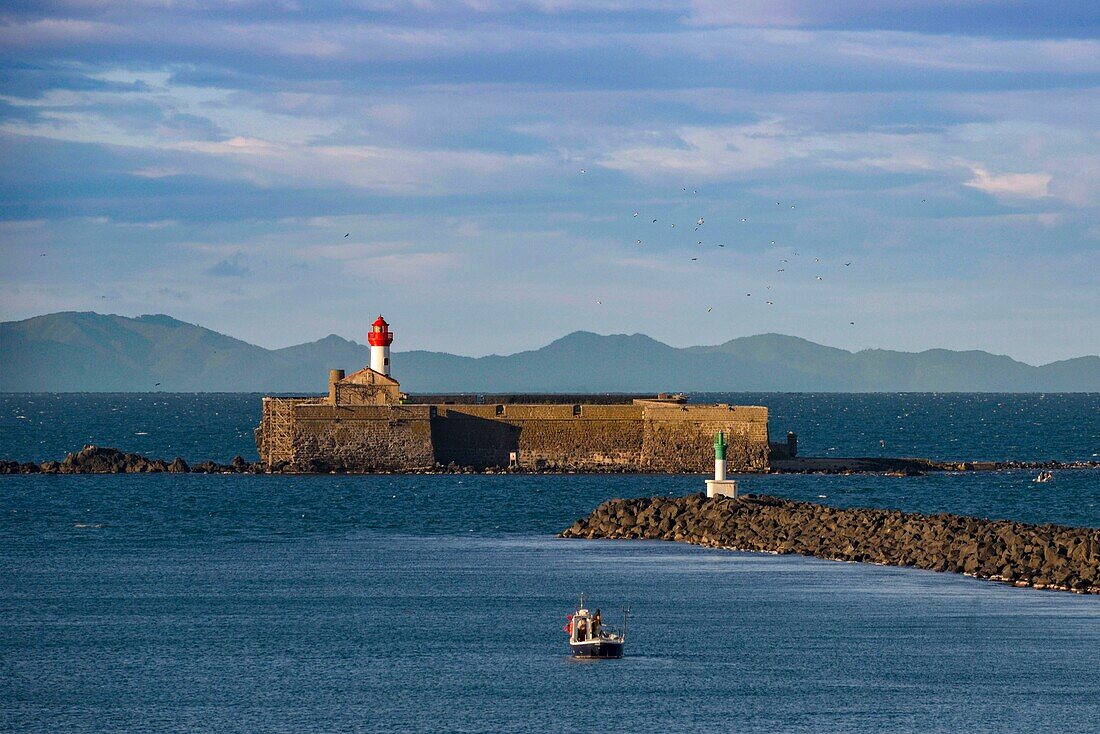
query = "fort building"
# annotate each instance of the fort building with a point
(366, 423)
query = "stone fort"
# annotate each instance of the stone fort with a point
(367, 424)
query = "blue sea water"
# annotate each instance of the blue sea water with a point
(435, 603)
(218, 426)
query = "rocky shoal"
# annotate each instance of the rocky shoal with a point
(1040, 556)
(100, 460)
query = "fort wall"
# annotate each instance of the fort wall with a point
(303, 434)
(575, 437)
(684, 436)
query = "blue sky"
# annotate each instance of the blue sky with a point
(280, 170)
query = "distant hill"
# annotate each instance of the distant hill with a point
(104, 353)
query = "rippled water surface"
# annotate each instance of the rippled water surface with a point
(404, 603)
(218, 426)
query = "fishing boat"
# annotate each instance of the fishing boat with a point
(590, 638)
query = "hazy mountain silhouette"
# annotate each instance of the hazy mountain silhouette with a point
(94, 352)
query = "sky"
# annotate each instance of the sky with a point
(894, 174)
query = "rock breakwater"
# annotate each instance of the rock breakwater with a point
(103, 460)
(1040, 556)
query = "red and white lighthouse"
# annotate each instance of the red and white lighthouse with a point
(380, 338)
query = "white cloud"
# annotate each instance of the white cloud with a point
(1024, 185)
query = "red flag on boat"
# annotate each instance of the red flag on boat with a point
(568, 628)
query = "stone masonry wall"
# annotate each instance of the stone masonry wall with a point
(545, 436)
(551, 437)
(682, 438)
(362, 437)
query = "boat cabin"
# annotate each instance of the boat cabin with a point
(585, 626)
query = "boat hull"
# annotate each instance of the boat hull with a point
(596, 649)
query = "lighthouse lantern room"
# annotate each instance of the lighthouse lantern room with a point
(380, 339)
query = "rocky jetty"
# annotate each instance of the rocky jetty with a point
(100, 460)
(1039, 556)
(909, 467)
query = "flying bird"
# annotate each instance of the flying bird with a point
(770, 303)
(819, 277)
(699, 222)
(635, 214)
(721, 245)
(672, 226)
(694, 258)
(348, 234)
(781, 270)
(583, 171)
(156, 385)
(599, 303)
(744, 219)
(637, 242)
(847, 264)
(710, 308)
(654, 221)
(853, 323)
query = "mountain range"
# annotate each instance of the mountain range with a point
(91, 352)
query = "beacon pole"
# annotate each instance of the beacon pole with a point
(719, 457)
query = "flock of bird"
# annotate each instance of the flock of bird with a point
(701, 222)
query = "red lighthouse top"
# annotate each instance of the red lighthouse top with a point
(380, 334)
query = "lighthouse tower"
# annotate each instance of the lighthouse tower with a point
(380, 339)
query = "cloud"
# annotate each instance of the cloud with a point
(197, 140)
(174, 294)
(1019, 18)
(384, 261)
(397, 170)
(1024, 185)
(228, 269)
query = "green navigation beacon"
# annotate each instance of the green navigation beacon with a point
(720, 486)
(720, 446)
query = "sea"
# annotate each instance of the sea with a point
(240, 603)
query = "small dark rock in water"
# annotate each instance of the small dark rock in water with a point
(100, 460)
(178, 466)
(1041, 556)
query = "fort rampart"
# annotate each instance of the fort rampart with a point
(312, 434)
